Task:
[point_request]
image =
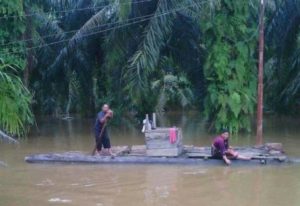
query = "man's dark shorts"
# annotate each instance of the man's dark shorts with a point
(216, 154)
(104, 140)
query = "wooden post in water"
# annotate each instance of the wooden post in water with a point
(259, 122)
(154, 121)
(147, 123)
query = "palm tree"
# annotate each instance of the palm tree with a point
(172, 89)
(118, 59)
(283, 68)
(89, 52)
(15, 100)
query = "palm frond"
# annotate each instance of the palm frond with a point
(272, 5)
(77, 17)
(195, 9)
(46, 53)
(282, 34)
(74, 88)
(124, 10)
(15, 102)
(162, 101)
(292, 86)
(48, 28)
(52, 5)
(172, 89)
(286, 18)
(93, 25)
(145, 59)
(82, 66)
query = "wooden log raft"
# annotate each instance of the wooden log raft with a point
(137, 155)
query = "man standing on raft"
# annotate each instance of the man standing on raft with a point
(220, 149)
(101, 134)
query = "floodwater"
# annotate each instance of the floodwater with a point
(23, 184)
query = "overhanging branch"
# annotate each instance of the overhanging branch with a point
(5, 137)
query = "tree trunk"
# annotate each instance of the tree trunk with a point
(29, 44)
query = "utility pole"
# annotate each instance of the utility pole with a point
(260, 87)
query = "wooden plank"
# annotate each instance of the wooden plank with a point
(274, 146)
(138, 150)
(161, 138)
(156, 136)
(198, 155)
(154, 144)
(281, 158)
(120, 150)
(173, 152)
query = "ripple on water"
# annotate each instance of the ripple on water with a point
(59, 200)
(46, 182)
(195, 172)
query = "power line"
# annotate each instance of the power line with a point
(69, 10)
(93, 33)
(75, 30)
(71, 31)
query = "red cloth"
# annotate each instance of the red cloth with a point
(172, 135)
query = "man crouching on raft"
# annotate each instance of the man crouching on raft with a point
(220, 149)
(102, 137)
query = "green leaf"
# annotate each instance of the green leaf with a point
(235, 104)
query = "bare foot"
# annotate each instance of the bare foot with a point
(97, 153)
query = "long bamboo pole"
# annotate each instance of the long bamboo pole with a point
(260, 92)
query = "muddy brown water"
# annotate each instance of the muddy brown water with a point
(23, 184)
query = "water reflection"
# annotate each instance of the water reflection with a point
(23, 184)
(160, 189)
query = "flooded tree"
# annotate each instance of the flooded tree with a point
(142, 56)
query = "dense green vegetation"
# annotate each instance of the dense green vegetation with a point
(146, 55)
(15, 99)
(230, 66)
